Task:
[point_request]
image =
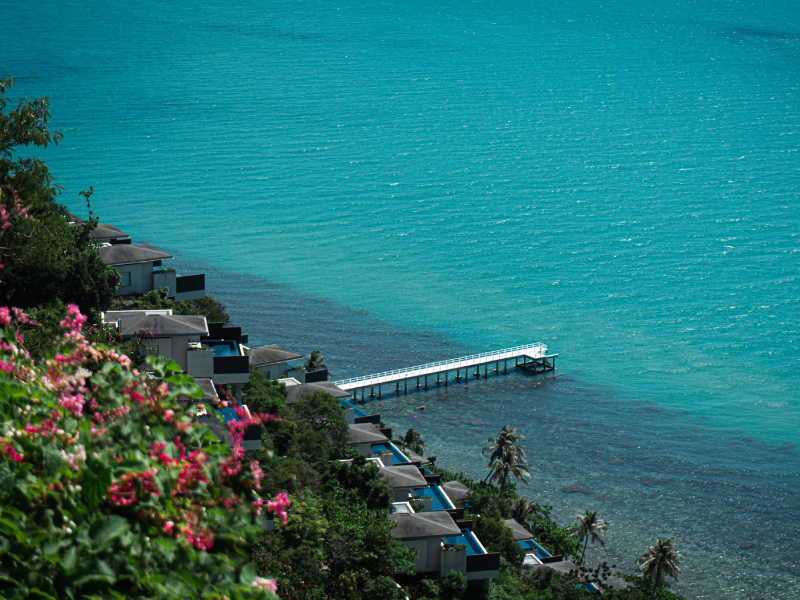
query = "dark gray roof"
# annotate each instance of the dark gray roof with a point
(106, 231)
(520, 533)
(295, 392)
(456, 490)
(73, 220)
(365, 433)
(209, 391)
(424, 525)
(126, 254)
(414, 457)
(269, 355)
(404, 476)
(163, 325)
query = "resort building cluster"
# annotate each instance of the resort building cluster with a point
(219, 358)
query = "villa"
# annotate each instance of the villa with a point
(443, 545)
(202, 350)
(273, 360)
(141, 271)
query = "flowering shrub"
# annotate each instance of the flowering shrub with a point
(109, 488)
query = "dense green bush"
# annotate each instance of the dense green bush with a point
(453, 586)
(108, 488)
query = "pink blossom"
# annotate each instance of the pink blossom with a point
(261, 583)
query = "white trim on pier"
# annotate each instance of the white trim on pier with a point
(530, 351)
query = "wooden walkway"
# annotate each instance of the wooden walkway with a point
(531, 357)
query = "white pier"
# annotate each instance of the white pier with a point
(531, 357)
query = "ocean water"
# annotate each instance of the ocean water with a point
(395, 182)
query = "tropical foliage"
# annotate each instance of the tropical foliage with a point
(412, 440)
(661, 561)
(506, 458)
(314, 362)
(590, 527)
(108, 487)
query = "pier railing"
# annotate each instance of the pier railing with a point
(530, 350)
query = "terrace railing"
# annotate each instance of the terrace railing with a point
(530, 350)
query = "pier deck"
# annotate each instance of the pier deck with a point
(531, 357)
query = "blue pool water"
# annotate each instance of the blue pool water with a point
(440, 501)
(358, 412)
(399, 457)
(467, 538)
(530, 545)
(618, 180)
(223, 347)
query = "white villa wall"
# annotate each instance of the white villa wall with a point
(200, 363)
(400, 494)
(141, 278)
(174, 348)
(275, 371)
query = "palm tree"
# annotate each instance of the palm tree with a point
(590, 526)
(660, 561)
(510, 464)
(521, 509)
(505, 451)
(412, 440)
(315, 362)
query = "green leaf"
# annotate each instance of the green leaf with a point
(40, 594)
(52, 460)
(249, 574)
(168, 544)
(96, 481)
(69, 560)
(6, 476)
(192, 579)
(108, 530)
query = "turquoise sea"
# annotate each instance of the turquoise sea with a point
(395, 182)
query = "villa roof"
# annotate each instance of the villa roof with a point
(365, 433)
(270, 355)
(106, 231)
(127, 254)
(520, 533)
(456, 490)
(296, 392)
(414, 457)
(424, 525)
(209, 391)
(163, 325)
(404, 476)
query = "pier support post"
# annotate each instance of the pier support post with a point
(417, 382)
(445, 379)
(397, 388)
(438, 381)
(486, 371)
(371, 392)
(426, 383)
(405, 386)
(379, 392)
(505, 367)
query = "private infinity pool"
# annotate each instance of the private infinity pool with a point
(529, 546)
(358, 411)
(467, 538)
(440, 499)
(399, 457)
(223, 347)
